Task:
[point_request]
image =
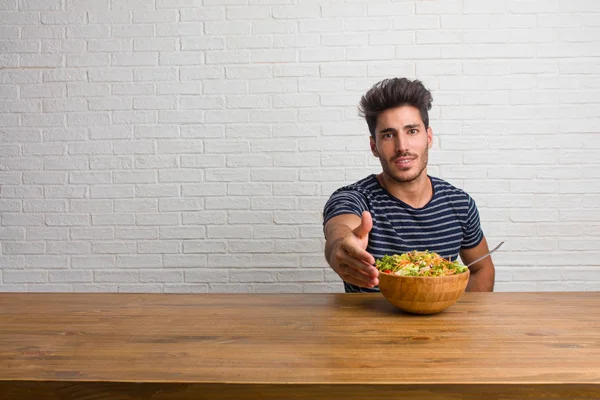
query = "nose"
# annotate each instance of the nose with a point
(401, 144)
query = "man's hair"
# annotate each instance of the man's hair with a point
(394, 92)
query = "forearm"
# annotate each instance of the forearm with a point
(482, 280)
(333, 235)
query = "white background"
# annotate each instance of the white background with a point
(189, 146)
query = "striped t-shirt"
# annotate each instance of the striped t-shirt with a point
(448, 223)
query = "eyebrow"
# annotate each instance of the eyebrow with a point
(393, 130)
(388, 130)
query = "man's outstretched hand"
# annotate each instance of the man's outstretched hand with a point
(350, 258)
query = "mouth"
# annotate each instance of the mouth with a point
(404, 162)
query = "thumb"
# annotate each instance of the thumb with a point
(366, 223)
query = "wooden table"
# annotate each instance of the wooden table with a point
(292, 346)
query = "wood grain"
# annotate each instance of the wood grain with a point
(179, 346)
(423, 294)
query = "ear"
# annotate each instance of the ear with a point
(373, 146)
(429, 137)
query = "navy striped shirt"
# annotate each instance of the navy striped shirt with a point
(448, 223)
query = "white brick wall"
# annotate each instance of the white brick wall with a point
(190, 145)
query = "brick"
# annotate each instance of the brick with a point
(113, 17)
(168, 205)
(136, 233)
(236, 161)
(203, 189)
(230, 260)
(132, 30)
(289, 55)
(227, 203)
(87, 90)
(207, 275)
(16, 247)
(160, 247)
(300, 276)
(272, 175)
(252, 12)
(252, 275)
(19, 46)
(161, 276)
(89, 177)
(273, 203)
(68, 247)
(67, 219)
(12, 262)
(158, 190)
(273, 86)
(62, 17)
(185, 261)
(203, 13)
(276, 232)
(17, 234)
(229, 232)
(25, 276)
(70, 276)
(204, 217)
(89, 148)
(89, 31)
(42, 32)
(112, 219)
(227, 175)
(134, 117)
(156, 219)
(190, 232)
(137, 5)
(152, 162)
(109, 103)
(14, 219)
(250, 217)
(180, 176)
(184, 117)
(138, 58)
(110, 45)
(178, 3)
(44, 205)
(227, 28)
(115, 276)
(186, 288)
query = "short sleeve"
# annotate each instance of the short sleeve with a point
(344, 201)
(473, 232)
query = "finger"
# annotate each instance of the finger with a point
(366, 224)
(355, 251)
(364, 267)
(355, 277)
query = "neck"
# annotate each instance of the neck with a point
(416, 193)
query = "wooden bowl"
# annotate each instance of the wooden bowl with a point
(423, 294)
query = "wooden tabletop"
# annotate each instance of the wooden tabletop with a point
(171, 346)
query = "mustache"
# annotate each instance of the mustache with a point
(407, 154)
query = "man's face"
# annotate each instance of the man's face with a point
(402, 143)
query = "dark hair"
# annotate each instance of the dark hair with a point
(394, 92)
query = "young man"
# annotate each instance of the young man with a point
(402, 208)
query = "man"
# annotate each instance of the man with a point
(402, 208)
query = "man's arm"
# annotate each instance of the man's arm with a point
(346, 240)
(483, 272)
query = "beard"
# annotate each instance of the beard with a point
(410, 174)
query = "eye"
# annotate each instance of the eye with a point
(413, 131)
(387, 136)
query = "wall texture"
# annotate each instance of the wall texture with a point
(190, 145)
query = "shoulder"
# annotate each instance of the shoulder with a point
(364, 187)
(350, 199)
(448, 191)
